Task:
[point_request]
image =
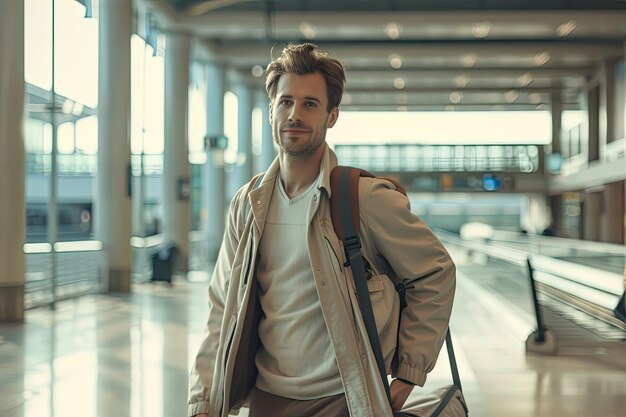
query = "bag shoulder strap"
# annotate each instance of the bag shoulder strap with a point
(347, 225)
(354, 174)
(345, 200)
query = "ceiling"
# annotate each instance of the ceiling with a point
(419, 54)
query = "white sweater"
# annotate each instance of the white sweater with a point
(296, 359)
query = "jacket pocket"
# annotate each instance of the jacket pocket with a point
(381, 302)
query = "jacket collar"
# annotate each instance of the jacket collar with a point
(260, 198)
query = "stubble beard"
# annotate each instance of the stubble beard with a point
(305, 150)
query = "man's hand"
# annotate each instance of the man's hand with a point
(399, 393)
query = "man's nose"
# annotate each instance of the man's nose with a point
(294, 114)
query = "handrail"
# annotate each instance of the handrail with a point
(602, 289)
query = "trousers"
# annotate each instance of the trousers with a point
(264, 404)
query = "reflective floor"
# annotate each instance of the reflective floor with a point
(128, 356)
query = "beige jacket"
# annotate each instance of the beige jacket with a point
(395, 242)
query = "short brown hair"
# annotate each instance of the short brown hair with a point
(307, 58)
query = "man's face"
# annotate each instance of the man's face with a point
(298, 114)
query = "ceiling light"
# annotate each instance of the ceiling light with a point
(461, 80)
(77, 109)
(541, 58)
(68, 106)
(469, 60)
(511, 96)
(455, 97)
(257, 71)
(450, 107)
(481, 29)
(347, 98)
(395, 61)
(525, 79)
(399, 83)
(393, 30)
(401, 98)
(402, 108)
(566, 28)
(534, 98)
(307, 30)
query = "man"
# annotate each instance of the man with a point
(285, 335)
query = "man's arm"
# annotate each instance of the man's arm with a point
(415, 254)
(201, 375)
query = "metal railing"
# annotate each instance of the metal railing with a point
(596, 292)
(441, 158)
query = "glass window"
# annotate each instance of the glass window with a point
(230, 127)
(65, 138)
(38, 43)
(87, 135)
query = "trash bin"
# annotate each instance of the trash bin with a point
(163, 263)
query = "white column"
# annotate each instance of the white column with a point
(268, 153)
(243, 169)
(215, 182)
(12, 223)
(176, 155)
(607, 106)
(113, 208)
(556, 111)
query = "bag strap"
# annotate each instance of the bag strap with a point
(352, 246)
(346, 221)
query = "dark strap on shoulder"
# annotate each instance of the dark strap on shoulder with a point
(352, 247)
(346, 222)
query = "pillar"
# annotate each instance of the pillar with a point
(243, 168)
(268, 153)
(556, 112)
(613, 216)
(12, 197)
(592, 214)
(214, 190)
(176, 155)
(113, 208)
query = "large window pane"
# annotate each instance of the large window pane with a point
(76, 46)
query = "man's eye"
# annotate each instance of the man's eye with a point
(285, 102)
(311, 104)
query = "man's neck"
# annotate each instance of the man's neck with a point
(298, 173)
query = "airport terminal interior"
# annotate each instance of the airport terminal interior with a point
(126, 127)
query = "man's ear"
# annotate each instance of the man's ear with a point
(332, 118)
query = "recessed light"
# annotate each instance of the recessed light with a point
(450, 107)
(346, 99)
(525, 79)
(541, 58)
(307, 30)
(566, 28)
(511, 96)
(402, 108)
(455, 97)
(481, 29)
(399, 83)
(534, 98)
(469, 60)
(461, 80)
(257, 71)
(395, 61)
(401, 98)
(393, 30)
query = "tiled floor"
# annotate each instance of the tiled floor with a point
(128, 356)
